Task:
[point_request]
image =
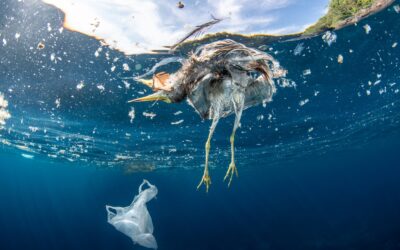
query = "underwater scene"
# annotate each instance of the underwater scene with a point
(190, 125)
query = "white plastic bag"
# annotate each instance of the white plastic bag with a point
(135, 221)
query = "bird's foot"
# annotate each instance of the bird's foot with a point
(232, 170)
(206, 180)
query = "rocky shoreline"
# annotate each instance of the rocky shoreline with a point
(375, 8)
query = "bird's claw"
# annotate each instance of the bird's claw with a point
(232, 170)
(206, 180)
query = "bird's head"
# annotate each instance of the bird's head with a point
(166, 87)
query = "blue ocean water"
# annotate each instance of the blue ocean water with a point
(318, 166)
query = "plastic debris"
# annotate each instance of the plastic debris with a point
(131, 114)
(329, 37)
(299, 48)
(340, 59)
(134, 220)
(367, 29)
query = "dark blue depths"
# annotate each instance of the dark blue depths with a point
(339, 201)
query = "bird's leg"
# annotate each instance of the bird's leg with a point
(232, 170)
(206, 180)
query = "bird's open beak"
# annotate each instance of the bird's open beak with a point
(147, 82)
(158, 82)
(158, 96)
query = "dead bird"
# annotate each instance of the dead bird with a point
(219, 79)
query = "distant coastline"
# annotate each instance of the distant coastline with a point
(342, 13)
(339, 15)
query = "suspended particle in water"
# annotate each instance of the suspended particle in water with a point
(58, 102)
(126, 84)
(125, 67)
(33, 129)
(307, 72)
(286, 83)
(394, 45)
(299, 48)
(303, 102)
(396, 8)
(263, 47)
(101, 87)
(138, 66)
(177, 122)
(40, 45)
(329, 37)
(367, 29)
(340, 59)
(97, 52)
(80, 85)
(150, 115)
(131, 114)
(27, 156)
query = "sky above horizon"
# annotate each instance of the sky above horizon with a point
(138, 26)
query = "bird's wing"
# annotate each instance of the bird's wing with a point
(195, 32)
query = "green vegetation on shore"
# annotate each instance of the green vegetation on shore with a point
(340, 14)
(339, 10)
